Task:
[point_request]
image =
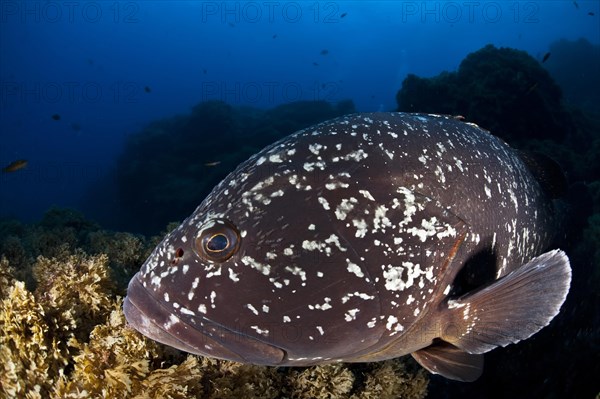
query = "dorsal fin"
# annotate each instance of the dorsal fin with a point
(547, 172)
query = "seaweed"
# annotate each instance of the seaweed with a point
(66, 337)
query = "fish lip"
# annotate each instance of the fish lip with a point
(154, 320)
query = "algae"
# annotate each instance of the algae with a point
(64, 335)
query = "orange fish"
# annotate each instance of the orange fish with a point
(14, 166)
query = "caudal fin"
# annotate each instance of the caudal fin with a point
(511, 309)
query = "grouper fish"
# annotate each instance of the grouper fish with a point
(363, 238)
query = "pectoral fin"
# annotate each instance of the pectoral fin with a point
(449, 361)
(511, 309)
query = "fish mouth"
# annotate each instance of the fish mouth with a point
(203, 337)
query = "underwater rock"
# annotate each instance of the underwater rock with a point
(502, 90)
(162, 171)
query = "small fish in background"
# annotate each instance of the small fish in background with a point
(591, 14)
(315, 64)
(76, 127)
(546, 56)
(210, 164)
(576, 5)
(204, 71)
(231, 24)
(147, 89)
(274, 36)
(15, 165)
(56, 117)
(343, 14)
(324, 52)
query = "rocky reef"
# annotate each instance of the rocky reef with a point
(513, 95)
(63, 334)
(172, 164)
(501, 89)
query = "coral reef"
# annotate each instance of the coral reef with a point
(66, 336)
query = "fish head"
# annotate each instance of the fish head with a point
(259, 273)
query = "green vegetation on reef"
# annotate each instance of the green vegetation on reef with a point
(64, 334)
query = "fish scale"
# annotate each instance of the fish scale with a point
(341, 242)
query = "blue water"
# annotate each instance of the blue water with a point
(90, 62)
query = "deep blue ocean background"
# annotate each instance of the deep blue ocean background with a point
(129, 112)
(89, 62)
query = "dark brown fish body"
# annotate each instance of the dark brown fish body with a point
(343, 242)
(14, 166)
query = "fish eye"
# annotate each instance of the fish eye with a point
(218, 240)
(217, 243)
